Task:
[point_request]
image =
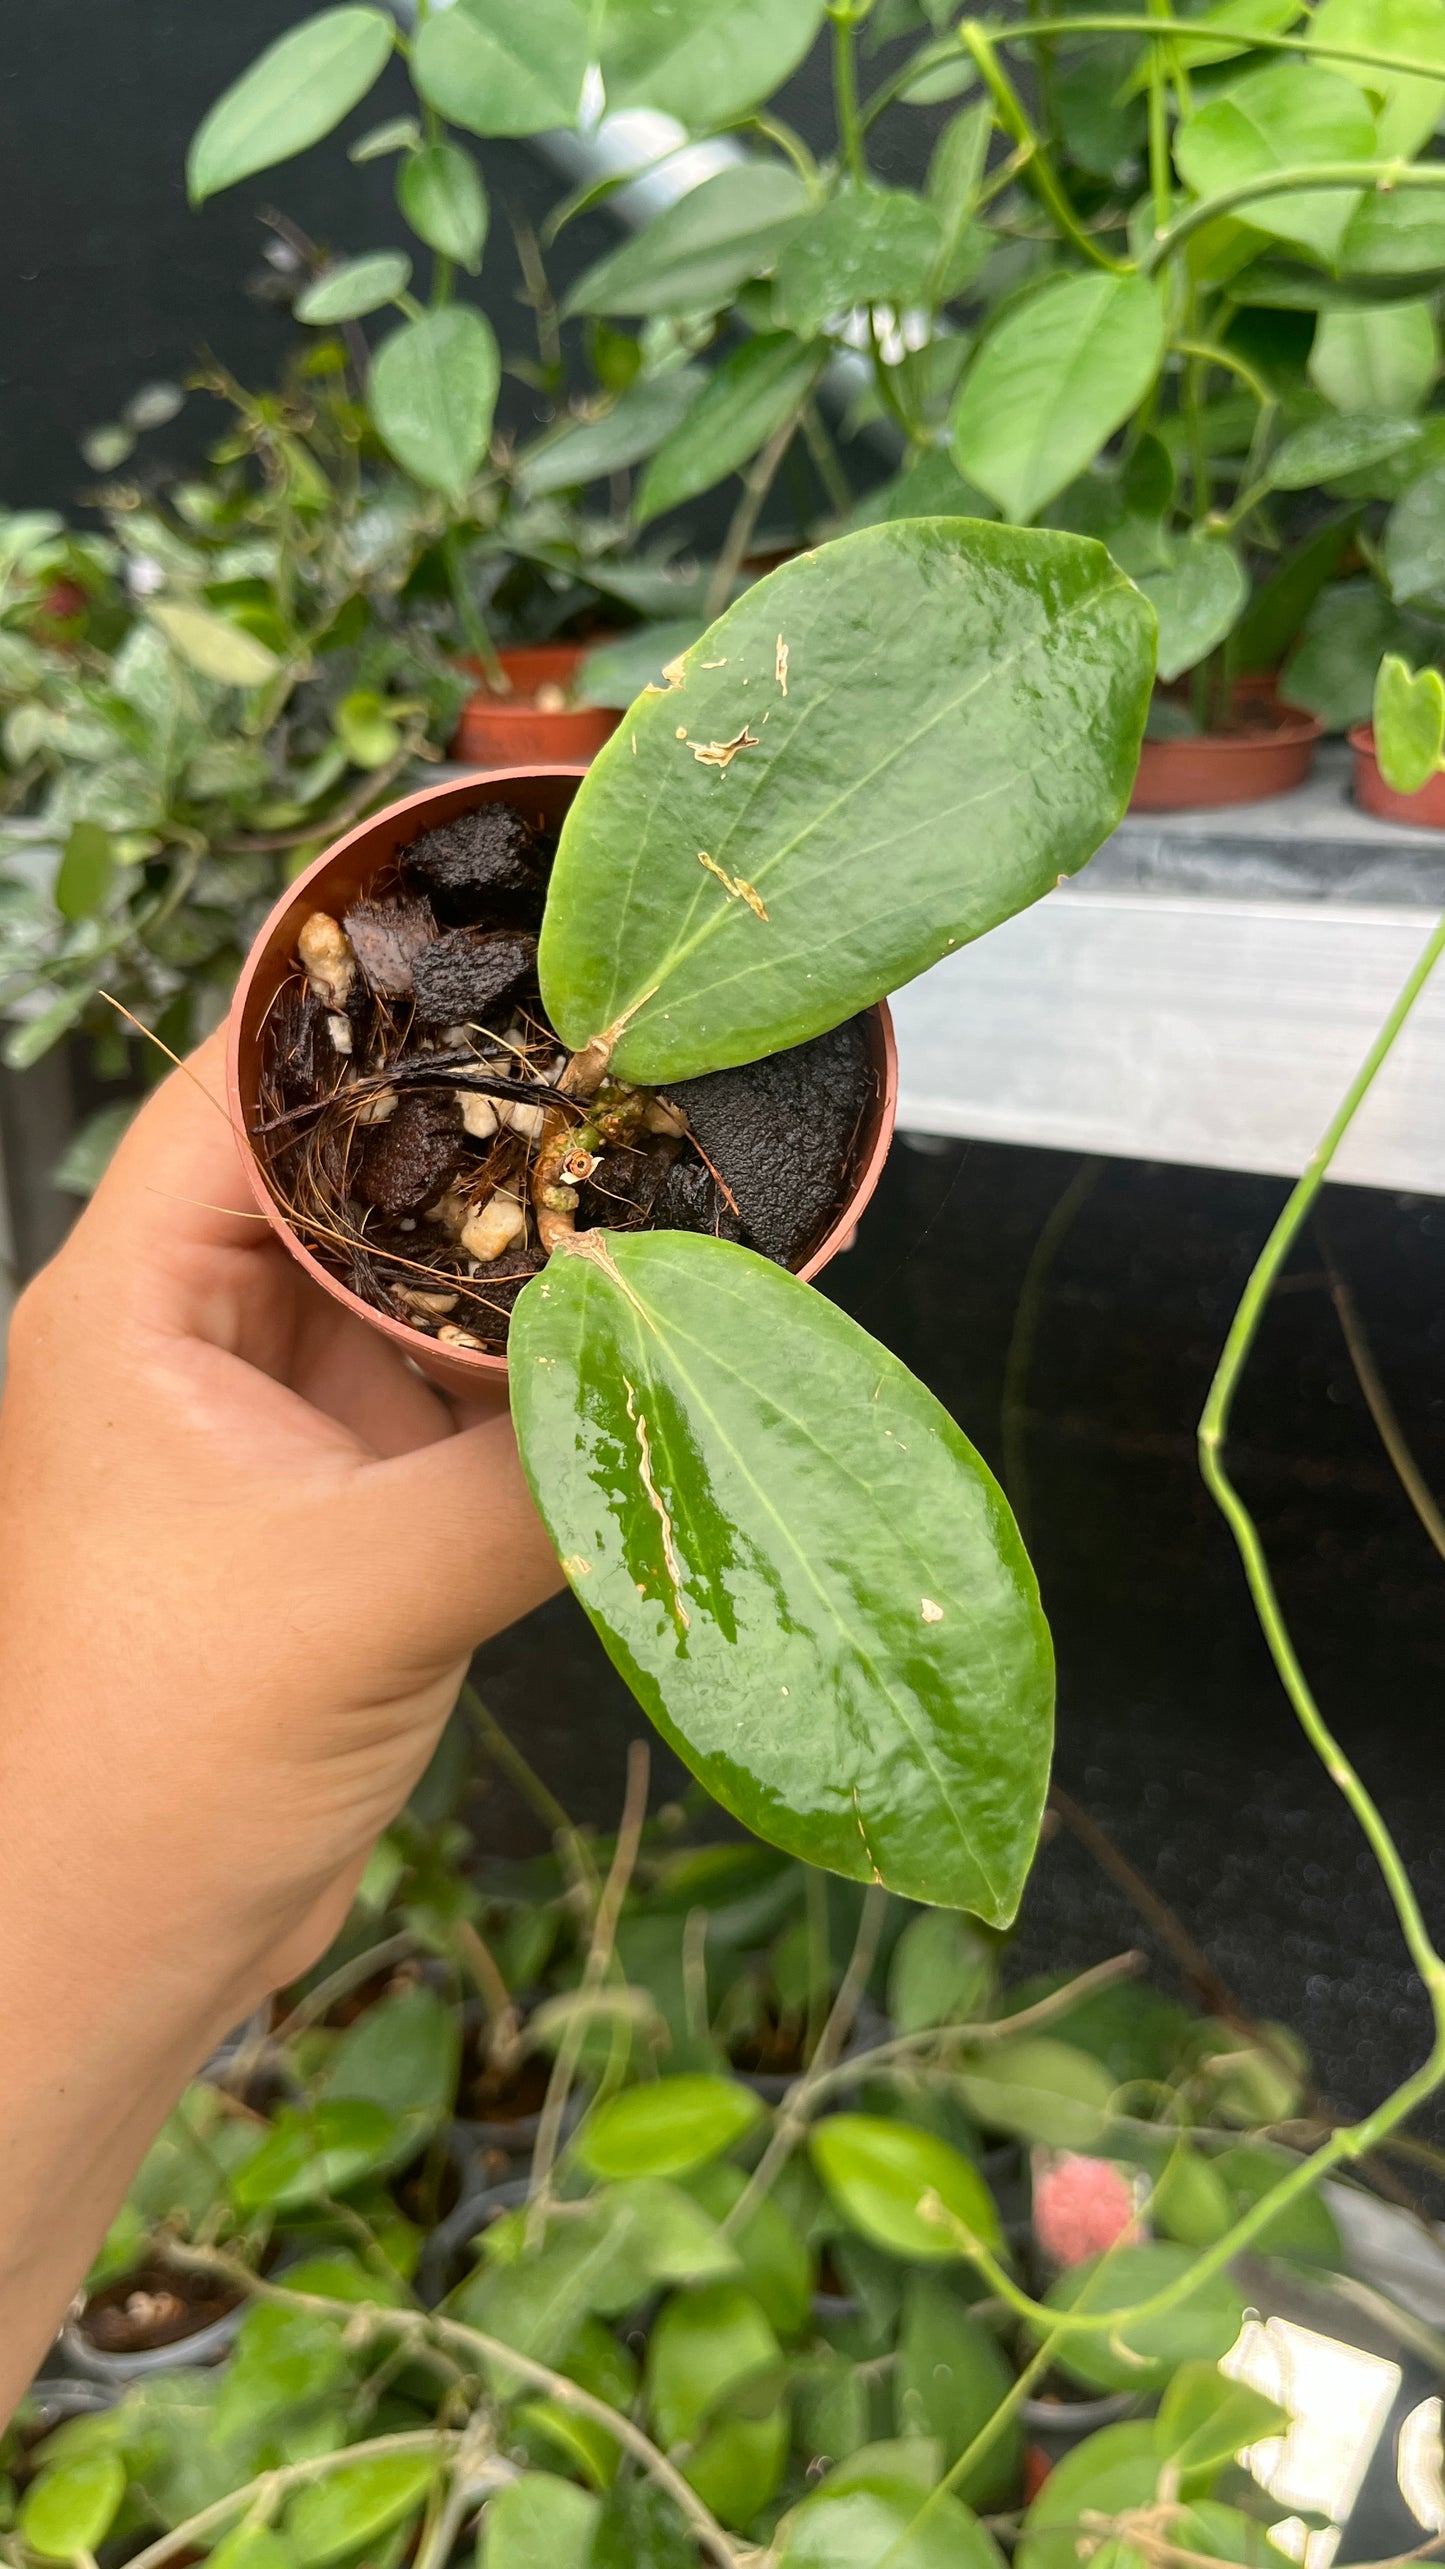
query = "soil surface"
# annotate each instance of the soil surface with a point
(512, 2096)
(153, 2306)
(410, 1066)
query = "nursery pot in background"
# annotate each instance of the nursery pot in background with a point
(359, 865)
(514, 730)
(1271, 753)
(1422, 811)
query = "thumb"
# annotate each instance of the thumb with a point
(464, 1549)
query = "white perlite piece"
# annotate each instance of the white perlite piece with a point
(479, 1115)
(378, 1109)
(501, 1224)
(326, 959)
(526, 1120)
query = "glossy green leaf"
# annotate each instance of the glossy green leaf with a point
(1041, 2089)
(678, 2242)
(397, 134)
(1051, 384)
(641, 2528)
(1238, 22)
(949, 2380)
(440, 191)
(1409, 724)
(616, 672)
(1382, 359)
(955, 168)
(1105, 2475)
(1414, 545)
(1399, 233)
(633, 428)
(500, 68)
(354, 287)
(434, 388)
(667, 2126)
(1332, 672)
(1190, 2201)
(537, 2302)
(250, 2546)
(293, 93)
(1408, 110)
(1306, 2228)
(70, 2509)
(86, 871)
(282, 2359)
(698, 62)
(1141, 2356)
(884, 2176)
(1284, 117)
(1205, 2419)
(307, 2156)
(777, 2266)
(798, 1562)
(754, 391)
(881, 2520)
(1023, 662)
(695, 254)
(539, 2523)
(867, 245)
(942, 1973)
(1198, 600)
(739, 2464)
(703, 2346)
(355, 2505)
(218, 649)
(1328, 448)
(402, 2054)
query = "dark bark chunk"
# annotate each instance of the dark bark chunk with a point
(386, 938)
(470, 970)
(411, 1160)
(487, 1298)
(781, 1131)
(481, 861)
(624, 1187)
(690, 1199)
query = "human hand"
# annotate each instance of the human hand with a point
(247, 1556)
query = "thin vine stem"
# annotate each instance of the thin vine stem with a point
(1014, 119)
(1382, 1409)
(274, 2485)
(1380, 177)
(432, 2328)
(1118, 23)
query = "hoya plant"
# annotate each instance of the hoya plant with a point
(790, 1551)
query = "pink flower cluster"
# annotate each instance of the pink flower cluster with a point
(1081, 2207)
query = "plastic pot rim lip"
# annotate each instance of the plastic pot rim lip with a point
(197, 2348)
(413, 1344)
(1295, 732)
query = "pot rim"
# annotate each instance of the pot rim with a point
(460, 1363)
(1295, 729)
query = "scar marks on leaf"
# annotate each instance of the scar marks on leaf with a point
(721, 753)
(862, 1832)
(931, 1612)
(655, 1501)
(733, 884)
(574, 1567)
(780, 666)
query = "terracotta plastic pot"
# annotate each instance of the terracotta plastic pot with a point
(1216, 768)
(513, 731)
(356, 866)
(1423, 811)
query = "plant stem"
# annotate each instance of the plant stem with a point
(1161, 172)
(1014, 119)
(757, 482)
(1121, 23)
(469, 615)
(797, 2104)
(1382, 1409)
(504, 2024)
(826, 459)
(1381, 176)
(1023, 1336)
(341, 1982)
(820, 1994)
(274, 2485)
(505, 1754)
(845, 95)
(599, 1956)
(430, 2327)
